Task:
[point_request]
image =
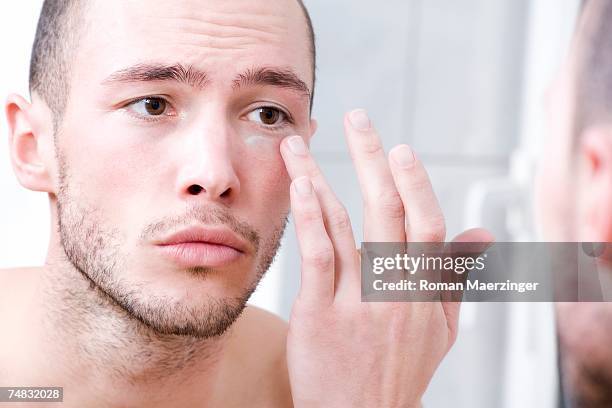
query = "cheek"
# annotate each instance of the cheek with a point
(259, 143)
(107, 174)
(265, 182)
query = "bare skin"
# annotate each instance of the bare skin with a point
(254, 347)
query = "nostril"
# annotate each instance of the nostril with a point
(226, 193)
(194, 189)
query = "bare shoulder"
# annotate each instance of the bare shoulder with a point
(258, 319)
(259, 353)
(262, 333)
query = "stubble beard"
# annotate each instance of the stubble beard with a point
(96, 252)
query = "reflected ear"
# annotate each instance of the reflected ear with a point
(595, 201)
(30, 143)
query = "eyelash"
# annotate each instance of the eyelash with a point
(148, 118)
(287, 119)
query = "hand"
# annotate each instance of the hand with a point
(342, 352)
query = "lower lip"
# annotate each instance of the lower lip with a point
(193, 254)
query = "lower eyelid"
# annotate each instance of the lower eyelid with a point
(147, 118)
(275, 128)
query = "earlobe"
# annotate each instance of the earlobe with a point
(596, 202)
(28, 143)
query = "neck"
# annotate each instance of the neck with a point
(96, 344)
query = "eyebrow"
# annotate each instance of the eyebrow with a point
(278, 77)
(158, 72)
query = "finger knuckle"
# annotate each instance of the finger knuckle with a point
(320, 258)
(434, 230)
(390, 204)
(311, 215)
(303, 309)
(431, 236)
(372, 148)
(356, 311)
(314, 172)
(339, 220)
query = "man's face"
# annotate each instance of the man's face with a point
(174, 121)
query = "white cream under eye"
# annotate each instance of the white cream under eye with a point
(258, 140)
(261, 147)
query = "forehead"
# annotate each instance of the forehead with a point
(220, 37)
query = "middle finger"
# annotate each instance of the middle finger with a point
(384, 214)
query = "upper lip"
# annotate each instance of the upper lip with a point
(219, 236)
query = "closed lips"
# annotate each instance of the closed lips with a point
(206, 236)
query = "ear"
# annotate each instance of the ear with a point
(313, 128)
(595, 185)
(30, 143)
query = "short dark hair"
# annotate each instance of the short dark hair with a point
(59, 27)
(593, 66)
(54, 43)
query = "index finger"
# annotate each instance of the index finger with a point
(300, 163)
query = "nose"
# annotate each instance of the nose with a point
(208, 170)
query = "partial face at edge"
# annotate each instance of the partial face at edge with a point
(174, 119)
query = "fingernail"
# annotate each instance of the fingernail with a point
(403, 156)
(303, 186)
(359, 119)
(297, 146)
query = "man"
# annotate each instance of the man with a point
(171, 139)
(574, 194)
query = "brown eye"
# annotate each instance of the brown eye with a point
(154, 106)
(269, 116)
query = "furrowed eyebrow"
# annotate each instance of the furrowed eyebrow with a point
(279, 77)
(159, 72)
